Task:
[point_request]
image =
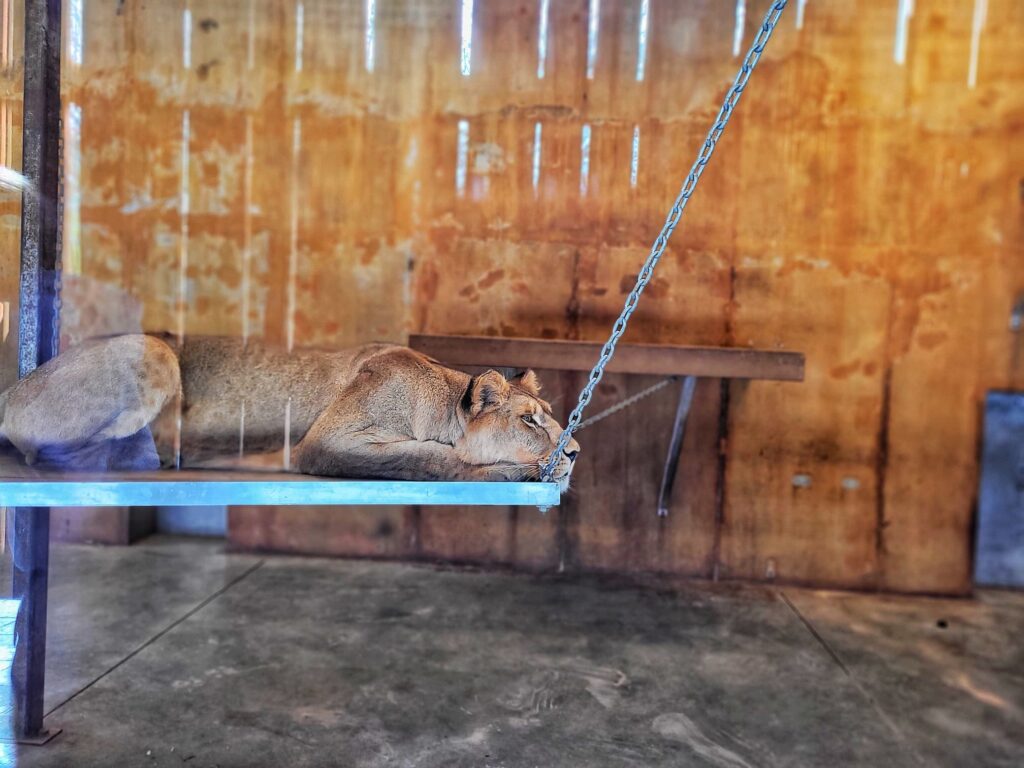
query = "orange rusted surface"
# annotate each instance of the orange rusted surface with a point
(862, 210)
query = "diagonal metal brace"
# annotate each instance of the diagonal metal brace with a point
(675, 447)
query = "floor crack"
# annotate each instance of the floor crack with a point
(888, 721)
(187, 615)
(810, 628)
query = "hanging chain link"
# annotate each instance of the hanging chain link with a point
(731, 100)
(625, 403)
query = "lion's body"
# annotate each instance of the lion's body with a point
(373, 411)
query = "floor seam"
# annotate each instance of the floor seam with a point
(177, 622)
(810, 628)
(881, 713)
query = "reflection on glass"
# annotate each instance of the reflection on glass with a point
(75, 35)
(288, 435)
(12, 179)
(8, 617)
(250, 52)
(593, 27)
(903, 14)
(978, 23)
(6, 34)
(183, 209)
(641, 46)
(72, 246)
(800, 6)
(247, 225)
(536, 156)
(465, 61)
(300, 17)
(241, 432)
(737, 34)
(584, 159)
(542, 38)
(634, 160)
(186, 38)
(461, 157)
(293, 240)
(369, 34)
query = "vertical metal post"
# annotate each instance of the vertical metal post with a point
(37, 342)
(676, 445)
(40, 234)
(31, 555)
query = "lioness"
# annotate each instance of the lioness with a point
(378, 410)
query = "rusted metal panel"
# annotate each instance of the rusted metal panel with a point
(862, 210)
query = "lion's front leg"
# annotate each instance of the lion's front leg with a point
(362, 455)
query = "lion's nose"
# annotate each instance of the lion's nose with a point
(571, 453)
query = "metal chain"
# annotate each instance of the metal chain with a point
(728, 105)
(626, 402)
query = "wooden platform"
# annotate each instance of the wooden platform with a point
(639, 359)
(22, 486)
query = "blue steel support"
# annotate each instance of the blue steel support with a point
(40, 245)
(193, 489)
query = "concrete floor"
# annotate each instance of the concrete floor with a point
(171, 653)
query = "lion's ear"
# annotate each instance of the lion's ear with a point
(529, 382)
(489, 389)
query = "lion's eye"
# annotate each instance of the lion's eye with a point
(529, 419)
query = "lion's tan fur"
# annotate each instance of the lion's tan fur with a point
(372, 411)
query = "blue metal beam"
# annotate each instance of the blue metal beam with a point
(83, 491)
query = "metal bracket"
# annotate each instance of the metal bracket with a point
(675, 447)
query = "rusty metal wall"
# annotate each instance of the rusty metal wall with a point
(302, 172)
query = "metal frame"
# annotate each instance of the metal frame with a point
(40, 251)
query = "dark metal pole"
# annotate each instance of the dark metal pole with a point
(675, 447)
(31, 555)
(40, 234)
(37, 341)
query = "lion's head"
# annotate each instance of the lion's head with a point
(508, 424)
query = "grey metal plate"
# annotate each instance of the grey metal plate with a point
(999, 555)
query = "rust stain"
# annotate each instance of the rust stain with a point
(657, 288)
(428, 283)
(370, 249)
(932, 339)
(845, 370)
(203, 70)
(229, 276)
(911, 290)
(490, 278)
